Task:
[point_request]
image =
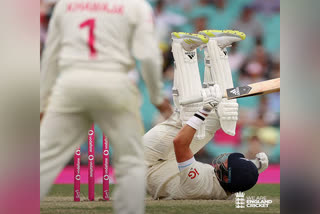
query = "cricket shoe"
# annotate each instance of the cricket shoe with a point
(224, 38)
(189, 41)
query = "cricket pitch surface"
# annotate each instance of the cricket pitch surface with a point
(60, 200)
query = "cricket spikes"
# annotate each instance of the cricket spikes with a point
(224, 38)
(189, 41)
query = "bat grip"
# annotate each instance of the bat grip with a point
(192, 100)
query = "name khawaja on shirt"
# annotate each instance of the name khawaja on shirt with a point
(95, 7)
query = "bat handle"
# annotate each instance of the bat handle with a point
(192, 100)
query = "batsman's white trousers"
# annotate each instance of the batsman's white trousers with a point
(109, 99)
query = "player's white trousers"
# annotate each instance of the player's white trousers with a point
(110, 100)
(160, 157)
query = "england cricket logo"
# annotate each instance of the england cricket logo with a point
(258, 201)
(251, 201)
(240, 201)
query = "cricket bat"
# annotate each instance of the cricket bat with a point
(254, 89)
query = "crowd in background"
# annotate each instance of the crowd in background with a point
(255, 59)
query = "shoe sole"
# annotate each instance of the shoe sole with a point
(191, 36)
(213, 33)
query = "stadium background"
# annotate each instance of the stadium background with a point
(255, 59)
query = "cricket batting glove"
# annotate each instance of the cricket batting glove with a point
(263, 161)
(228, 116)
(212, 96)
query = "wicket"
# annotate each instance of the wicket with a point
(91, 168)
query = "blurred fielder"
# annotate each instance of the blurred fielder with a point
(173, 173)
(90, 48)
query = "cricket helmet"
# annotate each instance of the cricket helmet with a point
(242, 173)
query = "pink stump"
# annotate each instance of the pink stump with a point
(91, 164)
(105, 156)
(76, 183)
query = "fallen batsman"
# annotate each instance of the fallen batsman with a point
(172, 171)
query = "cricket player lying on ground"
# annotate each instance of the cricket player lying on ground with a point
(172, 172)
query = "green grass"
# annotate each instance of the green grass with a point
(60, 200)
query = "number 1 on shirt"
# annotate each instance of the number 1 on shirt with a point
(91, 40)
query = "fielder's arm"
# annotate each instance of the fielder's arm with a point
(49, 62)
(145, 49)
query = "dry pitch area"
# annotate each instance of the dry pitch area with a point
(60, 200)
